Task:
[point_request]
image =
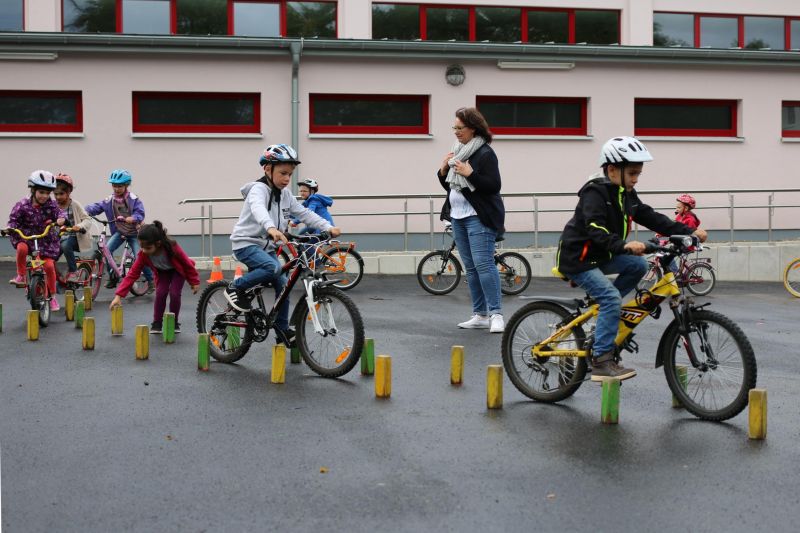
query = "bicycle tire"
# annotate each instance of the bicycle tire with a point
(98, 267)
(571, 370)
(37, 294)
(83, 278)
(218, 341)
(430, 273)
(704, 272)
(651, 277)
(344, 346)
(350, 269)
(791, 278)
(516, 281)
(672, 341)
(140, 286)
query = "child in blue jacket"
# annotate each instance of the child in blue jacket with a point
(317, 203)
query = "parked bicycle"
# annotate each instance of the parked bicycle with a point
(439, 272)
(708, 361)
(103, 258)
(791, 277)
(36, 291)
(340, 262)
(695, 273)
(329, 331)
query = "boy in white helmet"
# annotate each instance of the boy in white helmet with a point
(593, 243)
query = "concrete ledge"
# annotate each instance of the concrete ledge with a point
(398, 264)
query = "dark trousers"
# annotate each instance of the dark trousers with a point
(170, 283)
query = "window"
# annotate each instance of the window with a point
(673, 29)
(147, 16)
(523, 115)
(790, 118)
(311, 19)
(499, 24)
(764, 32)
(41, 111)
(196, 112)
(444, 24)
(794, 34)
(256, 19)
(202, 17)
(719, 32)
(11, 15)
(685, 118)
(395, 21)
(548, 27)
(368, 113)
(596, 27)
(89, 16)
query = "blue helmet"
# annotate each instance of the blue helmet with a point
(279, 153)
(119, 176)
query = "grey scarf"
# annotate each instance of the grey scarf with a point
(462, 152)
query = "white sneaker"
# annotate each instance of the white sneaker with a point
(476, 322)
(498, 325)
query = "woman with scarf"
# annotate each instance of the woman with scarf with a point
(470, 175)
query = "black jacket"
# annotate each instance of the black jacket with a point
(485, 199)
(601, 223)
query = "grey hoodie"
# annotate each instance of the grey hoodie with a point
(255, 219)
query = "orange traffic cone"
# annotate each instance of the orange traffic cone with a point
(216, 271)
(238, 274)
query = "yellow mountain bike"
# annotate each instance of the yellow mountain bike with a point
(791, 277)
(708, 361)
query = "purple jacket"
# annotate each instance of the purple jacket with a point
(106, 206)
(31, 220)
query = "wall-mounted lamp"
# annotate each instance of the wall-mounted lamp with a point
(455, 75)
(535, 65)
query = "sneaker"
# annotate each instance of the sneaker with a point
(476, 322)
(111, 283)
(155, 328)
(285, 336)
(177, 327)
(498, 325)
(606, 367)
(18, 281)
(238, 299)
(54, 305)
(151, 288)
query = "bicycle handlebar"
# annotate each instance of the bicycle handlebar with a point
(678, 244)
(319, 237)
(6, 231)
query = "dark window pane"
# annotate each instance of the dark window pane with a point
(311, 19)
(532, 114)
(596, 27)
(445, 24)
(719, 32)
(791, 118)
(255, 19)
(764, 32)
(203, 17)
(146, 16)
(366, 112)
(673, 29)
(11, 15)
(90, 16)
(683, 116)
(548, 26)
(203, 111)
(795, 29)
(20, 109)
(395, 21)
(503, 24)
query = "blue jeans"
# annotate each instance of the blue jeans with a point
(631, 269)
(263, 267)
(116, 241)
(475, 243)
(68, 247)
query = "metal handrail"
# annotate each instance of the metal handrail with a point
(535, 211)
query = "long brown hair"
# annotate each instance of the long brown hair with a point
(157, 233)
(472, 118)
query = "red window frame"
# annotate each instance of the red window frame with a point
(788, 32)
(790, 133)
(732, 105)
(505, 130)
(740, 25)
(423, 100)
(137, 127)
(76, 127)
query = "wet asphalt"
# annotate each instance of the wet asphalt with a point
(98, 441)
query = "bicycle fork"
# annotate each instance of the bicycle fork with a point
(309, 285)
(684, 318)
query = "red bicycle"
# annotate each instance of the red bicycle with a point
(339, 262)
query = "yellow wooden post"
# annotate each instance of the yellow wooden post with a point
(87, 298)
(142, 342)
(88, 333)
(69, 305)
(494, 387)
(757, 414)
(117, 327)
(33, 325)
(456, 365)
(383, 376)
(278, 364)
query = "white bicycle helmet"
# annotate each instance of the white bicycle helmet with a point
(311, 184)
(624, 150)
(42, 179)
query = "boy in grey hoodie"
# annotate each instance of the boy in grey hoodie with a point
(268, 208)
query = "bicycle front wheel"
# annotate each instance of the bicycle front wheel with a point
(545, 379)
(227, 343)
(37, 294)
(83, 278)
(791, 278)
(700, 279)
(717, 389)
(335, 350)
(140, 286)
(343, 264)
(439, 273)
(515, 272)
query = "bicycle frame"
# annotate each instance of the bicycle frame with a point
(109, 257)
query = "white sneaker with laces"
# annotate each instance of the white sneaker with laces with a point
(476, 322)
(498, 325)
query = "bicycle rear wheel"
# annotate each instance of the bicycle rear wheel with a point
(650, 278)
(227, 343)
(545, 379)
(700, 279)
(439, 273)
(791, 278)
(515, 272)
(344, 264)
(37, 294)
(82, 278)
(336, 350)
(718, 388)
